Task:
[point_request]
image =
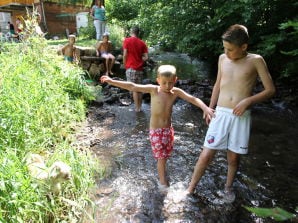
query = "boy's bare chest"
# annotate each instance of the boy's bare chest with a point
(104, 46)
(164, 100)
(237, 71)
(70, 48)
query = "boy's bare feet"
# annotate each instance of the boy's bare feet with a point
(162, 188)
(184, 195)
(227, 195)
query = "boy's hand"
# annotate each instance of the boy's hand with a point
(208, 114)
(241, 107)
(105, 78)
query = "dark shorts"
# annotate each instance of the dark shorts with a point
(68, 58)
(135, 76)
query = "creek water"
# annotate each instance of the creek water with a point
(266, 178)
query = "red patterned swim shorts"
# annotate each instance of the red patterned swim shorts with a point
(162, 141)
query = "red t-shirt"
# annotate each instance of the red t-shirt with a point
(135, 49)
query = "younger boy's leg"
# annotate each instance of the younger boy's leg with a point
(204, 160)
(161, 169)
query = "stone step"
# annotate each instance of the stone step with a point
(91, 58)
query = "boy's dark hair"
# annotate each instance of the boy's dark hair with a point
(236, 34)
(135, 30)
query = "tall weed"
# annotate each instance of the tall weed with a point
(43, 98)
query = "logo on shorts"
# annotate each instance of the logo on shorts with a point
(210, 139)
(244, 148)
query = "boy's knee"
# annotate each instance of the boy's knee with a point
(233, 159)
(233, 162)
(206, 156)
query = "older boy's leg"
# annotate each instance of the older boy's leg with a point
(233, 163)
(161, 169)
(204, 160)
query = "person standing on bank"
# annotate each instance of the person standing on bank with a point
(135, 53)
(98, 13)
(232, 95)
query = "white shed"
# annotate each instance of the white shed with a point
(81, 20)
(4, 18)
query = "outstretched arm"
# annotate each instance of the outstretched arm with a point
(207, 111)
(98, 46)
(62, 50)
(215, 92)
(124, 56)
(74, 52)
(148, 88)
(145, 57)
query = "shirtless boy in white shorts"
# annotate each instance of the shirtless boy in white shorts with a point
(237, 74)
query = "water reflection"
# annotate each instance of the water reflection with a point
(187, 67)
(266, 176)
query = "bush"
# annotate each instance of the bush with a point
(42, 99)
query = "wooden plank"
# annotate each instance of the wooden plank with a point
(16, 2)
(20, 2)
(92, 58)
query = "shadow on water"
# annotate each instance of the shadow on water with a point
(266, 177)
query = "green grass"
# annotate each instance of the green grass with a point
(86, 42)
(87, 38)
(43, 102)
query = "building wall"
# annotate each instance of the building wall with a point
(4, 18)
(60, 18)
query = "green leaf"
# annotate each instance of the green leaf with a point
(276, 213)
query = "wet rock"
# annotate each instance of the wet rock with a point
(120, 135)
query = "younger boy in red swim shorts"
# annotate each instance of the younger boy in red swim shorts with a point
(163, 97)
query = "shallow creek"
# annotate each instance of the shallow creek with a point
(119, 137)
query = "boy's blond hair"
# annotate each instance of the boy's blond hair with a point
(166, 71)
(72, 36)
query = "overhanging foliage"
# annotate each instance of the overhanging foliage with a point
(195, 26)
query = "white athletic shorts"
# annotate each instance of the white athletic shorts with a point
(228, 131)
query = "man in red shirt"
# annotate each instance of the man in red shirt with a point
(135, 53)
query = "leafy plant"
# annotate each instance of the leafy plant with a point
(43, 100)
(276, 213)
(195, 27)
